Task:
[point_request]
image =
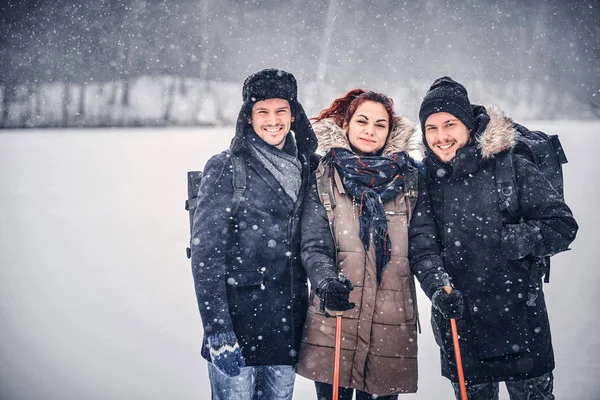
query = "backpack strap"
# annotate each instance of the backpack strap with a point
(411, 189)
(506, 183)
(325, 188)
(239, 179)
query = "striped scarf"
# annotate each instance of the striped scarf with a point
(371, 181)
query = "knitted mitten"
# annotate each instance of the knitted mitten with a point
(225, 353)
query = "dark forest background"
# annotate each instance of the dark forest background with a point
(133, 62)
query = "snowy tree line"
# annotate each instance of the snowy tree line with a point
(134, 62)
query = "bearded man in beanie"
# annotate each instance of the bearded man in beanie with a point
(489, 253)
(251, 287)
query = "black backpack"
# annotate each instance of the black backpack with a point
(194, 178)
(546, 152)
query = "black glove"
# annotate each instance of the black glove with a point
(450, 305)
(335, 293)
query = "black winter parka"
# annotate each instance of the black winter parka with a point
(489, 255)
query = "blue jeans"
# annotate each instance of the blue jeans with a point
(539, 388)
(263, 382)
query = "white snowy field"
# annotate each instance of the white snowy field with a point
(96, 294)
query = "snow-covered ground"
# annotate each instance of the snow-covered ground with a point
(96, 294)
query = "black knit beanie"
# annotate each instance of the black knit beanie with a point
(274, 83)
(447, 95)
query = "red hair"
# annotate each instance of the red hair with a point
(343, 108)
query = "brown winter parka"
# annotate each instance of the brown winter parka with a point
(379, 336)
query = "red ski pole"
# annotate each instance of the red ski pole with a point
(459, 367)
(338, 349)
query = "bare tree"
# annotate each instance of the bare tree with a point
(204, 40)
(323, 58)
(127, 43)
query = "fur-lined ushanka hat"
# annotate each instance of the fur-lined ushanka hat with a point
(274, 84)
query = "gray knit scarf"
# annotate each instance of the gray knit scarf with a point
(283, 164)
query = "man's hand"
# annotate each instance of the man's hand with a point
(450, 305)
(225, 353)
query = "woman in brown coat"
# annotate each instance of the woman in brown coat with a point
(356, 222)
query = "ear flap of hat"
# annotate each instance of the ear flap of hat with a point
(240, 128)
(303, 130)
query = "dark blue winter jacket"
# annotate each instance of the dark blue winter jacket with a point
(246, 267)
(489, 254)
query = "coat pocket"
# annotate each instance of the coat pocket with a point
(502, 331)
(244, 278)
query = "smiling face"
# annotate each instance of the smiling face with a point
(445, 134)
(368, 128)
(271, 120)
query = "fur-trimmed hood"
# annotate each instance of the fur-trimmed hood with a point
(499, 133)
(403, 137)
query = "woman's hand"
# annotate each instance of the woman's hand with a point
(335, 293)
